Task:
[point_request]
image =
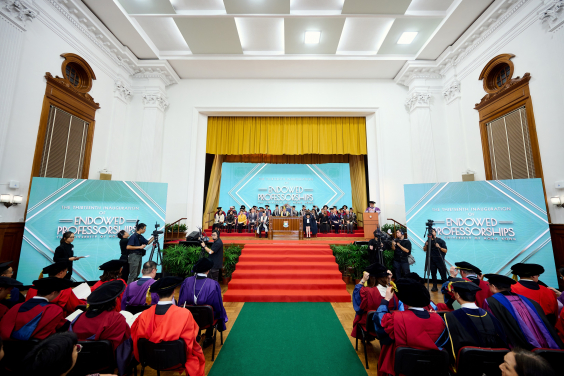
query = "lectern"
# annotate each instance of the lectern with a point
(370, 223)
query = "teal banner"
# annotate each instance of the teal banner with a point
(95, 210)
(491, 224)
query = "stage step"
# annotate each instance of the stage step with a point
(307, 265)
(287, 284)
(286, 251)
(336, 295)
(286, 274)
(286, 258)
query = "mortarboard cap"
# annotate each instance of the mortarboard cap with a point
(371, 202)
(4, 266)
(106, 292)
(412, 292)
(55, 268)
(500, 280)
(52, 284)
(165, 284)
(112, 265)
(527, 270)
(463, 265)
(9, 282)
(202, 265)
(377, 270)
(462, 285)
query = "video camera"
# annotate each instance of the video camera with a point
(384, 239)
(202, 237)
(156, 233)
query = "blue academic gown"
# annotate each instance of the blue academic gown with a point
(208, 292)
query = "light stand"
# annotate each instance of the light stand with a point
(429, 235)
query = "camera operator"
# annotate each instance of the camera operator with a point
(373, 248)
(438, 251)
(402, 249)
(215, 255)
(136, 247)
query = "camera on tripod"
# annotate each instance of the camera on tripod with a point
(430, 223)
(156, 233)
(201, 237)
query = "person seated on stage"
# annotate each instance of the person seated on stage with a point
(36, 318)
(521, 362)
(6, 286)
(67, 300)
(470, 325)
(263, 225)
(15, 296)
(414, 327)
(335, 220)
(54, 356)
(241, 220)
(368, 294)
(267, 210)
(529, 287)
(324, 222)
(137, 293)
(284, 212)
(371, 208)
(310, 226)
(167, 322)
(230, 221)
(218, 218)
(201, 290)
(252, 219)
(348, 222)
(277, 212)
(470, 273)
(523, 320)
(112, 271)
(293, 211)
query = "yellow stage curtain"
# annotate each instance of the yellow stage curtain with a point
(286, 135)
(358, 184)
(288, 159)
(212, 196)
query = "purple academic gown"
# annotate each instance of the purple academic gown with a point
(136, 293)
(208, 292)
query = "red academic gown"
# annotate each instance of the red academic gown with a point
(545, 297)
(176, 323)
(66, 300)
(406, 329)
(51, 319)
(118, 301)
(3, 310)
(560, 325)
(371, 299)
(109, 326)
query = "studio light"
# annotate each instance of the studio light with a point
(312, 37)
(9, 200)
(556, 201)
(407, 37)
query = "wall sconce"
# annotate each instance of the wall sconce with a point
(556, 201)
(9, 200)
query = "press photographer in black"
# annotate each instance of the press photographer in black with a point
(438, 251)
(215, 255)
(374, 246)
(402, 249)
(136, 247)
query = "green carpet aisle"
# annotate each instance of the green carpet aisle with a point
(287, 339)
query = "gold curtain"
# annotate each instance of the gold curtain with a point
(358, 184)
(286, 135)
(212, 196)
(288, 159)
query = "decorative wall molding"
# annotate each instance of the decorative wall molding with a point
(122, 91)
(452, 91)
(552, 14)
(417, 100)
(510, 86)
(18, 12)
(155, 100)
(64, 85)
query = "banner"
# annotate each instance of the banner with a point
(491, 224)
(295, 184)
(95, 210)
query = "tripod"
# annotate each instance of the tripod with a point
(429, 235)
(157, 247)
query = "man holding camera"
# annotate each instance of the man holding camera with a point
(136, 247)
(438, 251)
(402, 249)
(215, 255)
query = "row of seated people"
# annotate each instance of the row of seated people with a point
(52, 299)
(500, 313)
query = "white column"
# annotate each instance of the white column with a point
(458, 151)
(151, 141)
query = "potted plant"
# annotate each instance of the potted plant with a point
(178, 260)
(230, 259)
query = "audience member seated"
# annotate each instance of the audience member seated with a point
(219, 218)
(112, 271)
(66, 299)
(523, 320)
(15, 296)
(324, 223)
(263, 223)
(348, 221)
(102, 322)
(335, 220)
(36, 318)
(137, 292)
(252, 219)
(432, 305)
(241, 220)
(520, 362)
(167, 322)
(413, 327)
(200, 290)
(231, 219)
(470, 273)
(368, 298)
(529, 287)
(6, 286)
(471, 325)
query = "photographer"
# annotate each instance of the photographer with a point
(438, 251)
(402, 249)
(136, 247)
(215, 255)
(373, 248)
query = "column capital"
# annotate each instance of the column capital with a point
(122, 91)
(18, 12)
(452, 91)
(155, 99)
(417, 99)
(552, 14)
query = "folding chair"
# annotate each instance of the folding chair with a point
(552, 356)
(95, 357)
(135, 309)
(14, 352)
(162, 356)
(477, 361)
(203, 315)
(370, 331)
(415, 362)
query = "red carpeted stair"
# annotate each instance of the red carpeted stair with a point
(286, 272)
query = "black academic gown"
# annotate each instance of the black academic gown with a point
(312, 225)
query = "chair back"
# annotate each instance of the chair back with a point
(415, 362)
(95, 357)
(370, 327)
(135, 309)
(15, 351)
(554, 357)
(203, 315)
(442, 314)
(163, 355)
(478, 361)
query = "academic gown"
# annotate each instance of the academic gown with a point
(523, 321)
(3, 310)
(560, 325)
(118, 301)
(66, 300)
(106, 325)
(36, 318)
(540, 294)
(137, 293)
(169, 323)
(368, 299)
(13, 298)
(410, 328)
(484, 292)
(312, 225)
(208, 292)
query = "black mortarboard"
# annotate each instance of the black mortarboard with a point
(52, 284)
(371, 202)
(55, 268)
(463, 265)
(293, 206)
(9, 282)
(414, 276)
(463, 285)
(527, 270)
(112, 265)
(266, 206)
(203, 265)
(500, 280)
(377, 270)
(165, 284)
(106, 292)
(219, 207)
(4, 266)
(412, 292)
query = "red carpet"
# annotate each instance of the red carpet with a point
(286, 272)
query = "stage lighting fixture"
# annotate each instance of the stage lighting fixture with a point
(407, 37)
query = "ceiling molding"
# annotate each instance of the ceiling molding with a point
(17, 12)
(552, 15)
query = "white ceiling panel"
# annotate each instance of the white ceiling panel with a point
(198, 5)
(147, 6)
(257, 6)
(363, 35)
(164, 33)
(294, 34)
(429, 5)
(375, 6)
(423, 26)
(261, 34)
(362, 69)
(316, 6)
(210, 35)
